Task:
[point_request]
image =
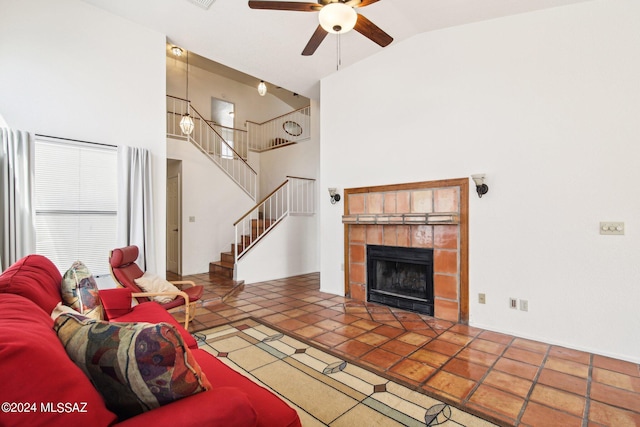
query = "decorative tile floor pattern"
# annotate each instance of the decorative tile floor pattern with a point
(506, 379)
(325, 390)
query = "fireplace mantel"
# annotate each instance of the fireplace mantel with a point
(402, 219)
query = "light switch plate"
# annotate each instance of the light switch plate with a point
(612, 228)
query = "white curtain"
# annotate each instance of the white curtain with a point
(17, 225)
(135, 204)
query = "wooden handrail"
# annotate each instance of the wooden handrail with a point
(276, 118)
(299, 177)
(222, 139)
(211, 127)
(225, 127)
(180, 114)
(175, 97)
(261, 202)
(264, 199)
(208, 121)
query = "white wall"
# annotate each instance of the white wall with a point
(300, 160)
(284, 252)
(213, 199)
(547, 105)
(292, 247)
(68, 69)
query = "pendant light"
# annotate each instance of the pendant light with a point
(186, 123)
(262, 88)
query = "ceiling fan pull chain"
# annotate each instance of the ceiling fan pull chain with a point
(338, 53)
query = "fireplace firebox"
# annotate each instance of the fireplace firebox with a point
(401, 277)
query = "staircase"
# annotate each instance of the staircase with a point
(295, 196)
(225, 267)
(209, 141)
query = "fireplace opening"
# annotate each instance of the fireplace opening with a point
(401, 277)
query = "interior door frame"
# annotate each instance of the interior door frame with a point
(178, 177)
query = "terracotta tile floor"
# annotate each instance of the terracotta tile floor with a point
(508, 380)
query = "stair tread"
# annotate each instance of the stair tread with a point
(222, 264)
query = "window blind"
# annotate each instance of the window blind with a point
(76, 199)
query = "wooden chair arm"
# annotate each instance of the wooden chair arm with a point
(157, 294)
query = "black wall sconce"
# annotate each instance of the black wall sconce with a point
(481, 187)
(335, 197)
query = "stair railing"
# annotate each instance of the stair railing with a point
(280, 131)
(211, 144)
(237, 138)
(295, 196)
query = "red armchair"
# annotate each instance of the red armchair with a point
(125, 270)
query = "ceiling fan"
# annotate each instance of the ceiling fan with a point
(336, 16)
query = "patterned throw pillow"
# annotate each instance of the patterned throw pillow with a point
(80, 291)
(135, 366)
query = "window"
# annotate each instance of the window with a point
(76, 199)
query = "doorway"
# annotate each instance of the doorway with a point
(174, 216)
(223, 118)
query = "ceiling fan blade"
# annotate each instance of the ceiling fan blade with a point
(372, 31)
(364, 3)
(315, 41)
(285, 5)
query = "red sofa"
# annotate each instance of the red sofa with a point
(41, 385)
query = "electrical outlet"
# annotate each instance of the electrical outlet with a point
(192, 219)
(513, 303)
(482, 299)
(524, 305)
(612, 228)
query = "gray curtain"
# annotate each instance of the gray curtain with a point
(17, 225)
(135, 204)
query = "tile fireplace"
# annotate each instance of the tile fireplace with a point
(401, 277)
(427, 216)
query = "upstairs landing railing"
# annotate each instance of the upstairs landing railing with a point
(295, 196)
(211, 144)
(280, 131)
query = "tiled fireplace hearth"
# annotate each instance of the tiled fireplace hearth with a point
(430, 214)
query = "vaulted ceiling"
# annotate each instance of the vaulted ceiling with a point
(268, 44)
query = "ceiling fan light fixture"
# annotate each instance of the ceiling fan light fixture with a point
(262, 88)
(337, 18)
